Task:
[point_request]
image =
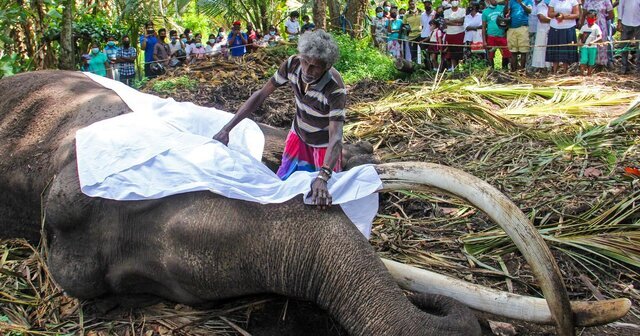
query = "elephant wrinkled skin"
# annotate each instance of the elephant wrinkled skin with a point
(189, 248)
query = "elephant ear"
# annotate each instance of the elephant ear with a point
(450, 310)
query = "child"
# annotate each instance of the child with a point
(308, 25)
(435, 47)
(589, 34)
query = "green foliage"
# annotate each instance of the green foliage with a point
(197, 22)
(138, 84)
(170, 85)
(359, 60)
(97, 28)
(11, 65)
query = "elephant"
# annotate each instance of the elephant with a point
(200, 247)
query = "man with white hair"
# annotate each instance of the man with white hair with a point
(315, 140)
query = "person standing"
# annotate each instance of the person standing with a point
(604, 8)
(413, 18)
(629, 25)
(99, 63)
(454, 19)
(308, 25)
(111, 50)
(394, 25)
(148, 43)
(562, 34)
(494, 35)
(538, 60)
(518, 32)
(176, 49)
(252, 38)
(237, 41)
(379, 30)
(315, 140)
(293, 26)
(589, 33)
(473, 32)
(162, 51)
(533, 29)
(126, 58)
(425, 21)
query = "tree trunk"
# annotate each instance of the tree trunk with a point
(355, 15)
(27, 31)
(44, 57)
(334, 13)
(320, 14)
(67, 59)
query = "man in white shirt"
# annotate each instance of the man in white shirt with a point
(293, 26)
(426, 17)
(629, 25)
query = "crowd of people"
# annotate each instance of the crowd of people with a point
(162, 51)
(535, 35)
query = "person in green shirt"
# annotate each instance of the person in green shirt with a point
(98, 64)
(494, 35)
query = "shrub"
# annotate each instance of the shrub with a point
(359, 60)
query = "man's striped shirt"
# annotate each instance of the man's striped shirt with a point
(323, 101)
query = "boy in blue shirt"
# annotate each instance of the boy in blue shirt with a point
(518, 32)
(148, 43)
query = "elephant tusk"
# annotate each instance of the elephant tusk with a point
(427, 176)
(519, 307)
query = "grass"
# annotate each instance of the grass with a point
(170, 85)
(558, 151)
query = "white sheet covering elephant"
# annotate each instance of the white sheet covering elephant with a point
(165, 147)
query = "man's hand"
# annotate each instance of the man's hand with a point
(222, 136)
(320, 194)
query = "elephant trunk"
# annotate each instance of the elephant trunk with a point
(425, 176)
(356, 290)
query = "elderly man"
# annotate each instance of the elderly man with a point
(315, 140)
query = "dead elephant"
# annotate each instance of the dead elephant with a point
(199, 247)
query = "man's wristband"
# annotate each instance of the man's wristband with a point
(327, 171)
(326, 179)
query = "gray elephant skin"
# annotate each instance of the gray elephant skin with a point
(190, 248)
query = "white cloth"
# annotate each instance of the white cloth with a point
(165, 147)
(563, 7)
(538, 59)
(449, 14)
(471, 21)
(594, 33)
(424, 21)
(629, 12)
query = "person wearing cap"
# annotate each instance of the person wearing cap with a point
(293, 26)
(237, 41)
(315, 140)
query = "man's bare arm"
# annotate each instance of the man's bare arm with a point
(252, 104)
(334, 149)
